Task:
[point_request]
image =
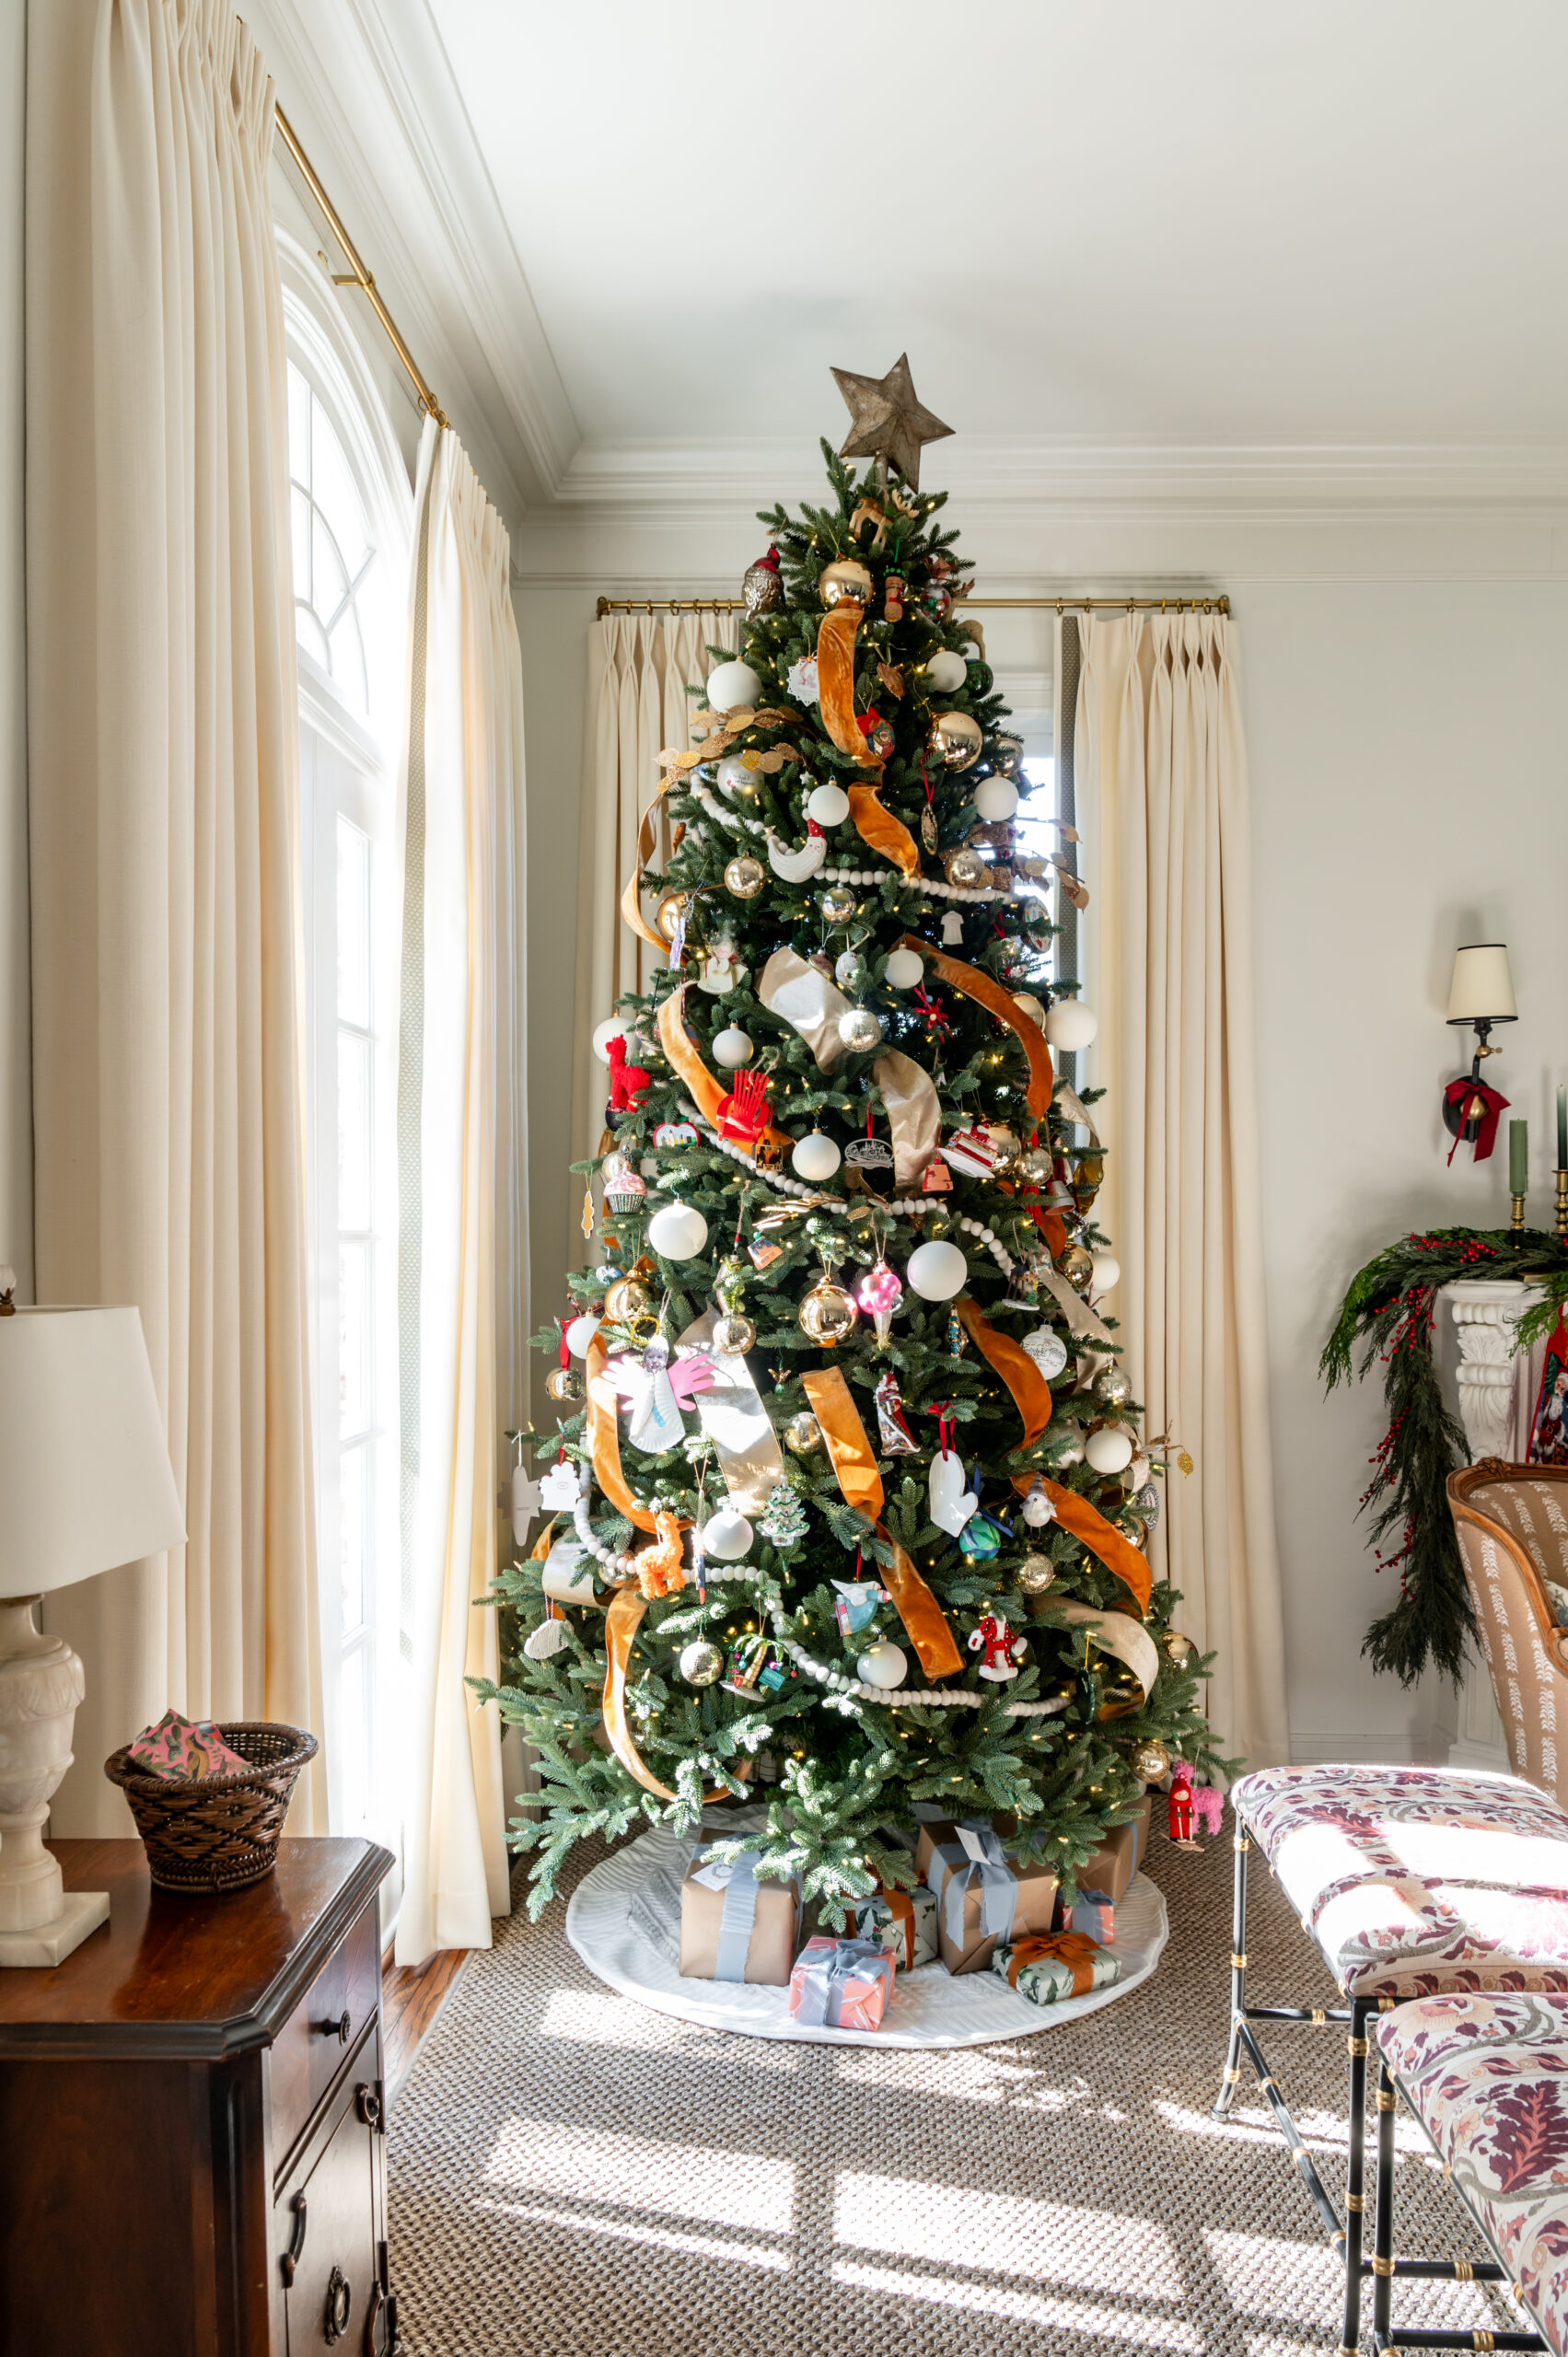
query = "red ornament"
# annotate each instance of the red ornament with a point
(628, 1083)
(879, 736)
(743, 1112)
(1179, 1808)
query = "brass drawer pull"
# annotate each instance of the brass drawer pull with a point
(340, 2302)
(368, 2103)
(341, 2030)
(296, 2251)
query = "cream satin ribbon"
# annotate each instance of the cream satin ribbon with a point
(802, 996)
(1118, 1633)
(1081, 1319)
(735, 1421)
(1071, 1105)
(914, 1115)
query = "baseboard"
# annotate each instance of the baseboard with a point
(1408, 1747)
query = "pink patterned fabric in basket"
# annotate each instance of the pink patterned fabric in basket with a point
(1488, 2077)
(1413, 1880)
(185, 1747)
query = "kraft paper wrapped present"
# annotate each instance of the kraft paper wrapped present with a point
(844, 1984)
(983, 1897)
(1060, 1964)
(734, 1927)
(185, 1747)
(1117, 1859)
(903, 1921)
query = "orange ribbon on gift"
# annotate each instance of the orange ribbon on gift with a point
(973, 983)
(902, 1906)
(1075, 1949)
(855, 1464)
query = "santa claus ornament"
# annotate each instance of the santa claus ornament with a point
(1004, 1652)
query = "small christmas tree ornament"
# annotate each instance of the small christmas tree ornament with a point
(677, 1232)
(1047, 1350)
(849, 971)
(826, 1314)
(565, 1385)
(1004, 1652)
(814, 1157)
(1008, 755)
(1036, 1573)
(838, 905)
(580, 1333)
(746, 1665)
(895, 1438)
(951, 1500)
(1150, 1762)
(734, 1335)
(745, 876)
(736, 778)
(701, 1664)
(670, 918)
(883, 1663)
(732, 686)
(982, 1538)
(627, 1298)
(545, 1642)
(965, 866)
(845, 577)
(904, 970)
(955, 739)
(953, 929)
(783, 1522)
(995, 799)
(803, 1435)
(879, 1294)
(1179, 1808)
(624, 1193)
(1034, 1009)
(1179, 1649)
(944, 672)
(1111, 1386)
(760, 587)
(801, 679)
(1108, 1448)
(827, 805)
(879, 735)
(1078, 1267)
(860, 1029)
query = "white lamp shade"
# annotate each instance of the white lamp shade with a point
(1482, 988)
(85, 1477)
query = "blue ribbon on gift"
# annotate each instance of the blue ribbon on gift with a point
(738, 1918)
(823, 1977)
(998, 1884)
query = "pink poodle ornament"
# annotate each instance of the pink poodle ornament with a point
(879, 1295)
(1004, 1652)
(1208, 1801)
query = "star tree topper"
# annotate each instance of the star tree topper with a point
(890, 422)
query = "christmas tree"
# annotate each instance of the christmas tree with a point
(853, 1500)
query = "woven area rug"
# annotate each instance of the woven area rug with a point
(571, 2173)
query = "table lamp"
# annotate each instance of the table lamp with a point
(85, 1483)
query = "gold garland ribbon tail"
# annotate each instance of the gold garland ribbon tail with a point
(855, 1466)
(705, 1090)
(632, 898)
(604, 1439)
(990, 994)
(1030, 1392)
(621, 1623)
(879, 830)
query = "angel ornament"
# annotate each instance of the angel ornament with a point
(656, 1392)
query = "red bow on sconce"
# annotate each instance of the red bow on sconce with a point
(1473, 1109)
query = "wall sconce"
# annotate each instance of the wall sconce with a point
(1481, 993)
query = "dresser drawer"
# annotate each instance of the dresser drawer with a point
(329, 2225)
(322, 2031)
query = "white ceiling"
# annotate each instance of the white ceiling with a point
(1213, 222)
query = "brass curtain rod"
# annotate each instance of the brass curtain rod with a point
(1063, 605)
(357, 275)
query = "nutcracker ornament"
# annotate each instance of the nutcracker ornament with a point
(1004, 1652)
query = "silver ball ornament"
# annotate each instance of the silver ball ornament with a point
(860, 1029)
(837, 904)
(803, 1435)
(826, 1314)
(745, 876)
(733, 1336)
(701, 1664)
(1036, 1573)
(1111, 1386)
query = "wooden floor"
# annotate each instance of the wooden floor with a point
(411, 1999)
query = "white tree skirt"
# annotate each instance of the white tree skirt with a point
(624, 1921)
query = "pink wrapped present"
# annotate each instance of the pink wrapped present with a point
(1094, 1916)
(185, 1747)
(844, 1984)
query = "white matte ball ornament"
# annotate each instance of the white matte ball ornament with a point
(1030, 1006)
(1108, 1273)
(882, 1664)
(995, 798)
(610, 1028)
(905, 970)
(579, 1334)
(1109, 1449)
(945, 672)
(733, 1047)
(816, 1157)
(937, 1271)
(1070, 1025)
(726, 1535)
(829, 805)
(732, 685)
(678, 1233)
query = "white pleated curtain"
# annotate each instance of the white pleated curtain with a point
(461, 1149)
(640, 668)
(164, 856)
(1162, 791)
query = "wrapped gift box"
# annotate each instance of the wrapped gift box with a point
(903, 1921)
(982, 1896)
(1064, 1964)
(185, 1747)
(844, 1984)
(1117, 1859)
(1093, 1916)
(734, 1927)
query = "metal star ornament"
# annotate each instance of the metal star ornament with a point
(890, 422)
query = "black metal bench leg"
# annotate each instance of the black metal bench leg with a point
(1356, 2179)
(1382, 2222)
(1222, 2102)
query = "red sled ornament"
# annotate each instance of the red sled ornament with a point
(743, 1111)
(1549, 1425)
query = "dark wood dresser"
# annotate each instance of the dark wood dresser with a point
(192, 2154)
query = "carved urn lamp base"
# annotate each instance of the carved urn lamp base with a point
(41, 1685)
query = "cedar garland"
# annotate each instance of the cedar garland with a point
(1390, 1307)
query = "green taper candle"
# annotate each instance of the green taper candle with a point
(1518, 1157)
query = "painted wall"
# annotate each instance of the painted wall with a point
(16, 1086)
(1399, 681)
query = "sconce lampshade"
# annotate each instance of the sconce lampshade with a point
(1482, 988)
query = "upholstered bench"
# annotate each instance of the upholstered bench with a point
(1409, 1882)
(1487, 2077)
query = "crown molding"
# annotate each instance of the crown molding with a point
(368, 87)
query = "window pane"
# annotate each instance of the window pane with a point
(348, 661)
(1038, 805)
(330, 580)
(354, 1532)
(299, 525)
(311, 637)
(354, 926)
(335, 491)
(354, 1131)
(299, 426)
(355, 1745)
(353, 1338)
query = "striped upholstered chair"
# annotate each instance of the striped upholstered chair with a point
(1511, 1525)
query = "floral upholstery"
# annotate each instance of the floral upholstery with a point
(1488, 2078)
(1413, 1880)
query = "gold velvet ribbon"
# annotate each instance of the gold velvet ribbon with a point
(632, 898)
(880, 830)
(835, 678)
(705, 1090)
(604, 1439)
(1031, 1391)
(990, 994)
(855, 1464)
(621, 1623)
(1075, 1949)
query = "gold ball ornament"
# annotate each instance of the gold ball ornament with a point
(614, 1165)
(734, 1336)
(668, 915)
(845, 577)
(1149, 1763)
(701, 1664)
(628, 1298)
(837, 904)
(965, 866)
(1078, 1267)
(1036, 1573)
(860, 1029)
(563, 1383)
(1111, 1386)
(1178, 1649)
(1009, 756)
(955, 739)
(745, 876)
(803, 1435)
(827, 1316)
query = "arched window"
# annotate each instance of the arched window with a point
(352, 507)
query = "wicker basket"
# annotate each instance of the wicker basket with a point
(216, 1833)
